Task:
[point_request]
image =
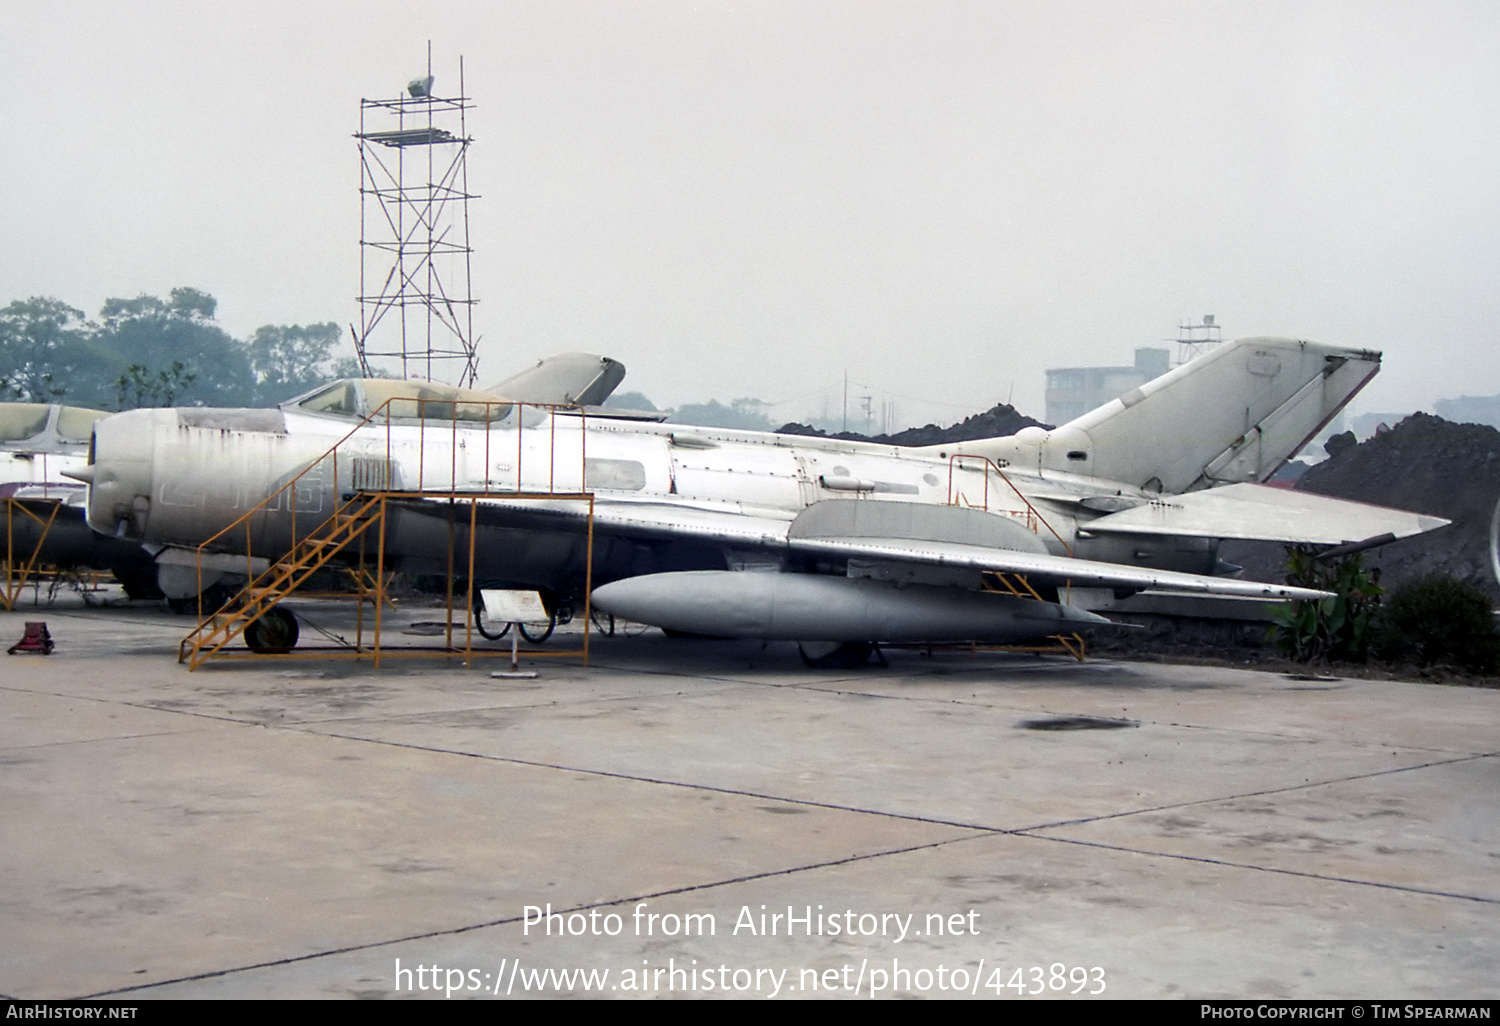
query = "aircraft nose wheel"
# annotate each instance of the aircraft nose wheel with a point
(274, 633)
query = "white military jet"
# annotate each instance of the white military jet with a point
(43, 514)
(582, 379)
(749, 534)
(39, 443)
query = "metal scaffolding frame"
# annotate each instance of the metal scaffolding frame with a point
(1196, 339)
(416, 304)
(353, 534)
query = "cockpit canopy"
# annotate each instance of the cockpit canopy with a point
(44, 427)
(357, 398)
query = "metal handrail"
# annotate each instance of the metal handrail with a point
(16, 583)
(376, 498)
(1034, 515)
(384, 410)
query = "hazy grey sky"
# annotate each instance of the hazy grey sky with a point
(943, 197)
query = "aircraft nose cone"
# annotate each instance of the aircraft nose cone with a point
(120, 475)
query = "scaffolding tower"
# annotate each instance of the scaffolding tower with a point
(416, 306)
(1193, 339)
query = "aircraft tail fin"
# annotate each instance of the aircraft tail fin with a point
(1234, 414)
(580, 378)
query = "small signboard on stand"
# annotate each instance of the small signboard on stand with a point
(512, 605)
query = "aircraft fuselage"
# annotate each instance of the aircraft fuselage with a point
(176, 477)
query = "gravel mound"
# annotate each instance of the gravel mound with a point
(1424, 464)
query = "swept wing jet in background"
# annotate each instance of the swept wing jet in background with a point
(749, 534)
(38, 441)
(43, 524)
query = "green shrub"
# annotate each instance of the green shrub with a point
(1439, 620)
(1336, 628)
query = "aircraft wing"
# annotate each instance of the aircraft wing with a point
(1253, 512)
(738, 530)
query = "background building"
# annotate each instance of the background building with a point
(1073, 391)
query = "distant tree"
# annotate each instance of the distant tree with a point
(290, 358)
(137, 388)
(148, 351)
(629, 401)
(348, 367)
(156, 336)
(747, 414)
(43, 351)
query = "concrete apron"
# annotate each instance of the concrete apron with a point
(316, 829)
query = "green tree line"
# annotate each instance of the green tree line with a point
(148, 351)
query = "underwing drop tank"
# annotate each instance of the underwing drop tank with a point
(818, 607)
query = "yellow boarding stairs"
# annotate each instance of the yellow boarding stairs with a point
(1071, 643)
(247, 612)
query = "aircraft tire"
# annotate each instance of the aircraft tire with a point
(487, 627)
(274, 633)
(537, 633)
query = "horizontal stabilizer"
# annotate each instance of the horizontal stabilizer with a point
(1252, 512)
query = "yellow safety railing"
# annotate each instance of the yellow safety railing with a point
(1032, 515)
(365, 493)
(20, 567)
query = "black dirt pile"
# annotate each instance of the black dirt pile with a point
(999, 420)
(1424, 464)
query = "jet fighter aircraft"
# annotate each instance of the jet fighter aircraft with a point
(749, 534)
(43, 522)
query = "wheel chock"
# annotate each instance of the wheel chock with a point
(36, 639)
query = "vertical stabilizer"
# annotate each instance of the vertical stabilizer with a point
(580, 378)
(1234, 414)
